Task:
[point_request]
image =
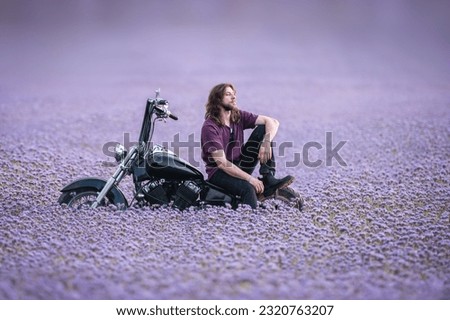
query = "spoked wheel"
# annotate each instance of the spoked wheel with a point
(85, 200)
(82, 198)
(290, 196)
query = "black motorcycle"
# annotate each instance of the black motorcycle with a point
(160, 177)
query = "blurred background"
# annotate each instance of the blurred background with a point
(320, 62)
(272, 50)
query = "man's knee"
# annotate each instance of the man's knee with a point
(258, 133)
(253, 142)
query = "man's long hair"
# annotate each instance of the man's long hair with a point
(214, 102)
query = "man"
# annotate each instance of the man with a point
(230, 163)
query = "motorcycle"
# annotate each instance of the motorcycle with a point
(160, 177)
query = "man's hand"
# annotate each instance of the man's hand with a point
(257, 184)
(265, 152)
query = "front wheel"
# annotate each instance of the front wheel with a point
(83, 198)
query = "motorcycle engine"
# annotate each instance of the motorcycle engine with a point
(186, 195)
(155, 193)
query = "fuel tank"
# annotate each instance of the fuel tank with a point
(162, 163)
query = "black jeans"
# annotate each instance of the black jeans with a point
(247, 162)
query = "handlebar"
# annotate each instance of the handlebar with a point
(163, 111)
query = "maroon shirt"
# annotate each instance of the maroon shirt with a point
(230, 139)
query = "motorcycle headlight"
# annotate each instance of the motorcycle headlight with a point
(120, 152)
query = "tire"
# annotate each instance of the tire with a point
(83, 198)
(290, 196)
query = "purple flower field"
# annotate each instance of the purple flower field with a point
(376, 76)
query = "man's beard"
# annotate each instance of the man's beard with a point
(227, 107)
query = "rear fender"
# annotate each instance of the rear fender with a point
(117, 195)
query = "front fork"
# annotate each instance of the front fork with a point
(118, 175)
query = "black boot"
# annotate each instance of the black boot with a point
(272, 184)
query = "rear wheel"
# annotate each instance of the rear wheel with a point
(290, 196)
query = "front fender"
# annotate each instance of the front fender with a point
(115, 193)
